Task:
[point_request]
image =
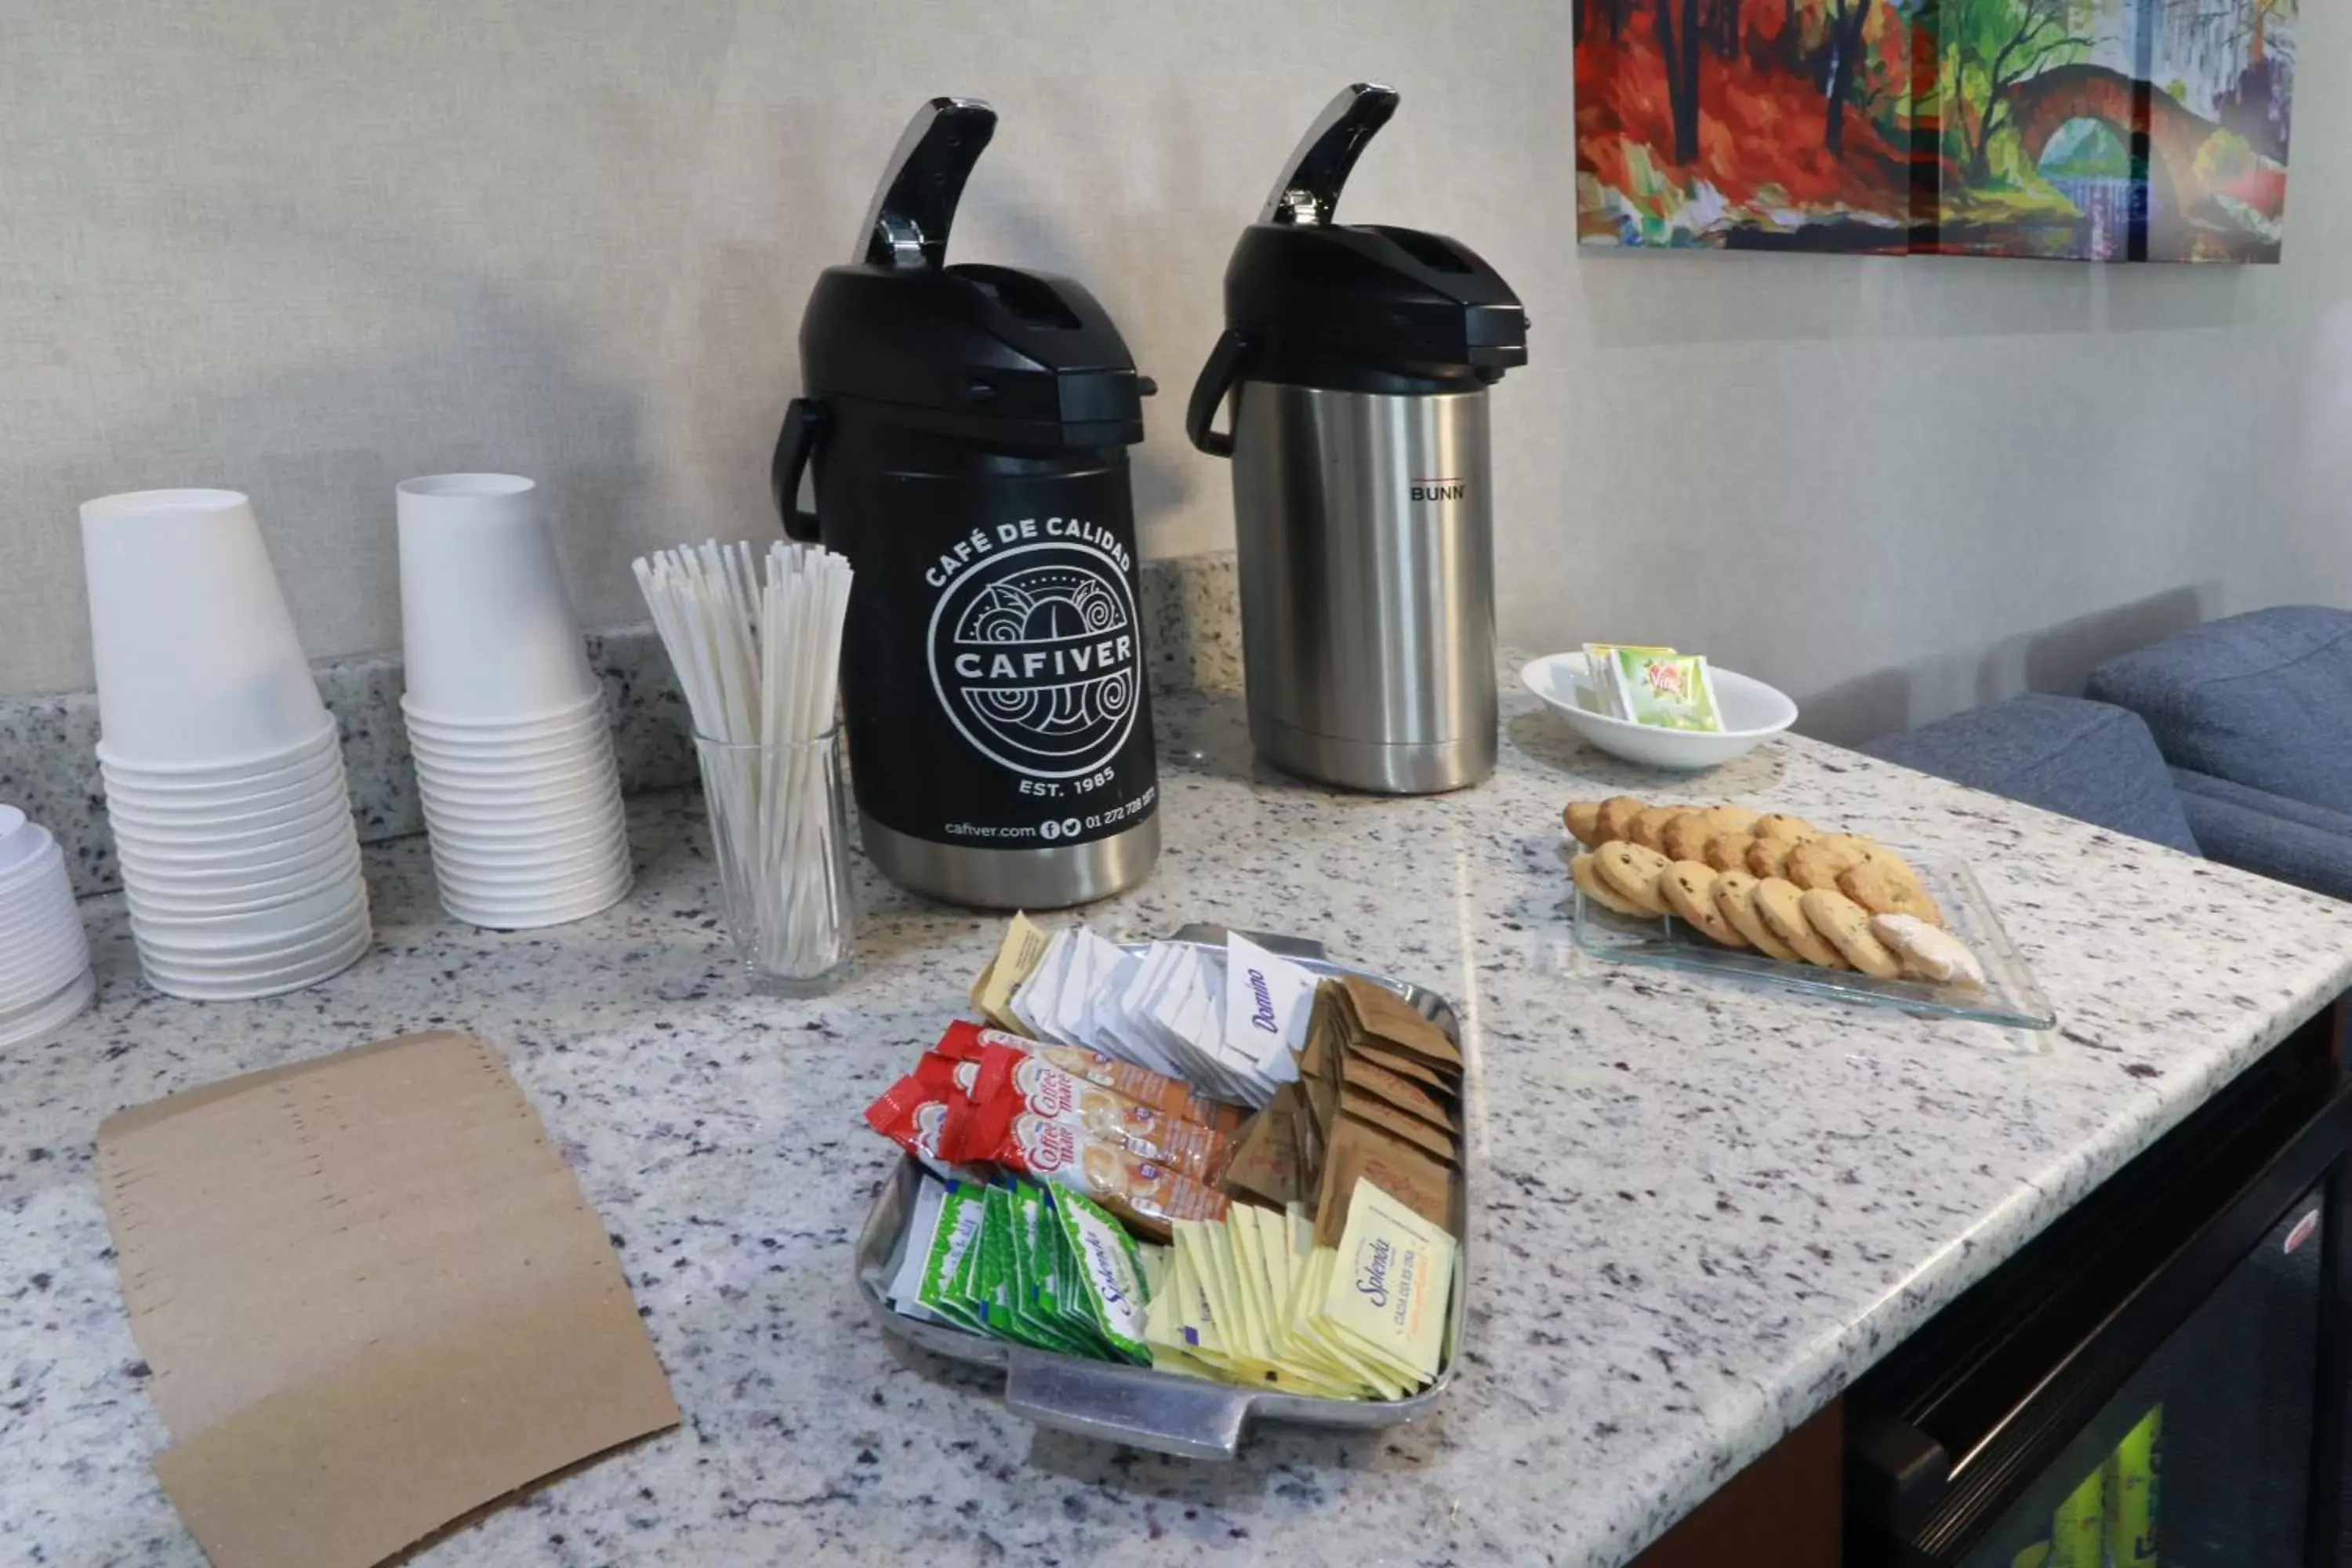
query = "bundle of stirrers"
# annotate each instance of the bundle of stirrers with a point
(759, 660)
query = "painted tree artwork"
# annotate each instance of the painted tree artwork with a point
(2091, 130)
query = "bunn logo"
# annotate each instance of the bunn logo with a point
(1437, 487)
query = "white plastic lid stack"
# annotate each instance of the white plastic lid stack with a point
(44, 978)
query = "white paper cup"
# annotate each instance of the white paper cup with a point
(237, 776)
(587, 714)
(484, 624)
(34, 1024)
(520, 808)
(196, 655)
(311, 868)
(298, 813)
(590, 756)
(231, 986)
(138, 851)
(538, 817)
(314, 775)
(589, 850)
(574, 874)
(531, 915)
(173, 906)
(589, 751)
(236, 953)
(268, 922)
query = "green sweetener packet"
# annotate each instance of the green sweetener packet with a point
(945, 1282)
(1110, 1274)
(1003, 1311)
(1040, 1280)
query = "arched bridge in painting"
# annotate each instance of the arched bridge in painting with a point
(2175, 134)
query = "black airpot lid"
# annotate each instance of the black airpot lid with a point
(1316, 298)
(994, 354)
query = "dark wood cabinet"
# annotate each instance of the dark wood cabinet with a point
(1782, 1511)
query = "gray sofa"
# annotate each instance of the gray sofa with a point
(2232, 740)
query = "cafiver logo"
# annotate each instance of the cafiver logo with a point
(1036, 660)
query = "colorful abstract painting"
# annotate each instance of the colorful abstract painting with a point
(2092, 130)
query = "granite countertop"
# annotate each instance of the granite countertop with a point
(1706, 1209)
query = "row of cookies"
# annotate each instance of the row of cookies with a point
(1821, 925)
(1765, 845)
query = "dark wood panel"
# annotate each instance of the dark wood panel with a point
(1782, 1511)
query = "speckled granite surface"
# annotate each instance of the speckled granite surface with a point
(1705, 1208)
(1192, 640)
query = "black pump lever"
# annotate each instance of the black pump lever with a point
(915, 204)
(1309, 186)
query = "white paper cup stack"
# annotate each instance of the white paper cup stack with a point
(514, 754)
(223, 770)
(45, 976)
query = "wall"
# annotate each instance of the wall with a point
(307, 249)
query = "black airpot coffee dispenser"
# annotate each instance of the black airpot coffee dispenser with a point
(967, 428)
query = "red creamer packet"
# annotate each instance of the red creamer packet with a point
(964, 1040)
(913, 1115)
(948, 1076)
(1143, 1193)
(1103, 1114)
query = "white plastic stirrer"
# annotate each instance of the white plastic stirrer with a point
(758, 657)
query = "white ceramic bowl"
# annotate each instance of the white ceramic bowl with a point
(1752, 714)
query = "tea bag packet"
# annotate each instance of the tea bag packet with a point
(1041, 1000)
(1092, 961)
(1179, 1017)
(1111, 1031)
(1129, 1030)
(1666, 691)
(1017, 955)
(1601, 670)
(1109, 1274)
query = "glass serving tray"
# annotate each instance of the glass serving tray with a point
(2009, 997)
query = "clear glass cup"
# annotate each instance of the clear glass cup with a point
(780, 829)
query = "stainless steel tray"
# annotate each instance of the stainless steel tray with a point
(2010, 996)
(1166, 1412)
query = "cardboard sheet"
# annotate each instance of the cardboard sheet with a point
(373, 1299)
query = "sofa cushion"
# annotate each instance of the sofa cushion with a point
(2271, 836)
(2086, 759)
(2263, 699)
